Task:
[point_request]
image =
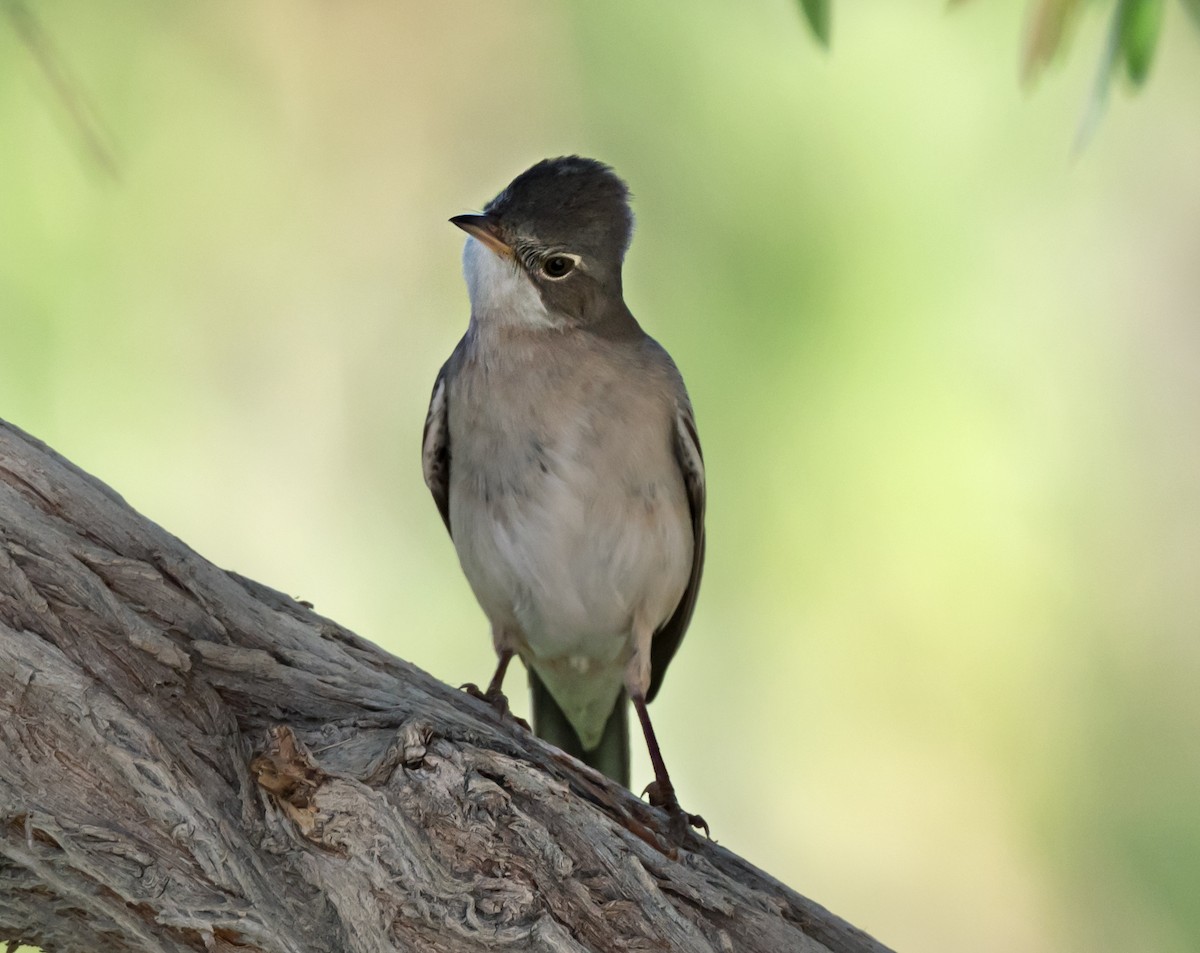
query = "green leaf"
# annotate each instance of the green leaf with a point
(1131, 38)
(1108, 60)
(1192, 7)
(1140, 22)
(818, 13)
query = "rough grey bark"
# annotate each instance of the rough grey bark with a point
(192, 761)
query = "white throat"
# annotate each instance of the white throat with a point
(501, 292)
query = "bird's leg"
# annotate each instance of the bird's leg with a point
(496, 685)
(494, 695)
(661, 791)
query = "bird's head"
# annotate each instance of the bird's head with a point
(548, 249)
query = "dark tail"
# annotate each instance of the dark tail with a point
(610, 757)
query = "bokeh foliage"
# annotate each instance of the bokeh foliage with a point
(1132, 38)
(942, 674)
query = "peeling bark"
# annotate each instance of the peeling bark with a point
(190, 761)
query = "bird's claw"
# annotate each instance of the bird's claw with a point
(680, 821)
(497, 699)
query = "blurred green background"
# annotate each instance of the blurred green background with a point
(943, 674)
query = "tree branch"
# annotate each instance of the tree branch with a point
(192, 761)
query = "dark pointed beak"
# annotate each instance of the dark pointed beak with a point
(487, 230)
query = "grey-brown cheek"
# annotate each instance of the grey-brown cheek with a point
(575, 297)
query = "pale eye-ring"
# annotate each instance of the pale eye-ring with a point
(559, 265)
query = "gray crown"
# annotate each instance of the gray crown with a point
(572, 203)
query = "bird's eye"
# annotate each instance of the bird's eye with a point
(559, 266)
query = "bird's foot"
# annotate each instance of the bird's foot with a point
(680, 822)
(497, 699)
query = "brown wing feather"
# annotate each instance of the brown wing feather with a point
(691, 466)
(435, 448)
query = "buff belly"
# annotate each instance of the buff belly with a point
(574, 573)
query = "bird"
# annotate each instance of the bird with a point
(561, 449)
